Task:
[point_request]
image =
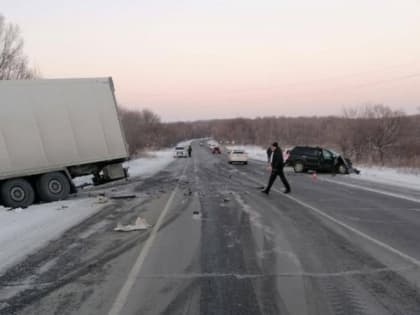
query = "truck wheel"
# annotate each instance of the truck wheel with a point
(342, 169)
(17, 193)
(53, 186)
(298, 167)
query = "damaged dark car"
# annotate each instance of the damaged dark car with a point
(305, 158)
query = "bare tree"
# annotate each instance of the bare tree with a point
(371, 129)
(13, 62)
(385, 127)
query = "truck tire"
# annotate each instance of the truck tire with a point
(17, 193)
(299, 167)
(53, 187)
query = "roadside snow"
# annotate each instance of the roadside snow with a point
(255, 152)
(23, 231)
(148, 166)
(402, 177)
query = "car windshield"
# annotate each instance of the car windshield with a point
(179, 148)
(334, 153)
(238, 152)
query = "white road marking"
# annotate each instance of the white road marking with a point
(382, 192)
(391, 249)
(122, 296)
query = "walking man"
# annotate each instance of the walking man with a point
(277, 165)
(189, 150)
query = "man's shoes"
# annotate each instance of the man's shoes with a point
(265, 191)
(286, 191)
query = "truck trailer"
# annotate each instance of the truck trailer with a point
(52, 130)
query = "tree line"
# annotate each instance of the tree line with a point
(369, 134)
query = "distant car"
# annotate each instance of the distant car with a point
(201, 143)
(304, 158)
(216, 150)
(237, 156)
(181, 152)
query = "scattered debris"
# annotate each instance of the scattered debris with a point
(140, 224)
(62, 207)
(226, 199)
(101, 199)
(196, 215)
(123, 196)
(81, 186)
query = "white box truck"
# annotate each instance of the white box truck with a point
(52, 130)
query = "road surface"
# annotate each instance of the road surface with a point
(219, 246)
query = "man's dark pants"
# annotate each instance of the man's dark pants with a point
(274, 174)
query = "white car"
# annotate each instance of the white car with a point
(181, 152)
(237, 156)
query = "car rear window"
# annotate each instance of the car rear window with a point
(238, 152)
(179, 148)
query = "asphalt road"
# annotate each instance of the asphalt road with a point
(219, 246)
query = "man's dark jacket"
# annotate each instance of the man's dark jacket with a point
(277, 162)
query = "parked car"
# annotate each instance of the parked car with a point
(237, 156)
(304, 158)
(181, 152)
(216, 150)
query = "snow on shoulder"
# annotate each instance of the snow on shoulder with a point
(403, 177)
(23, 231)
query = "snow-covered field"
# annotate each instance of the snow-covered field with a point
(23, 231)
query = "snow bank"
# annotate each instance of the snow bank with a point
(146, 166)
(256, 152)
(23, 231)
(396, 176)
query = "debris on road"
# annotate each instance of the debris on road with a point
(101, 199)
(196, 215)
(140, 224)
(62, 207)
(123, 196)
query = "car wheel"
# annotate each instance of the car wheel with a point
(342, 169)
(17, 193)
(299, 167)
(53, 187)
(230, 162)
(246, 163)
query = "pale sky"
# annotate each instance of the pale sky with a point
(192, 59)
